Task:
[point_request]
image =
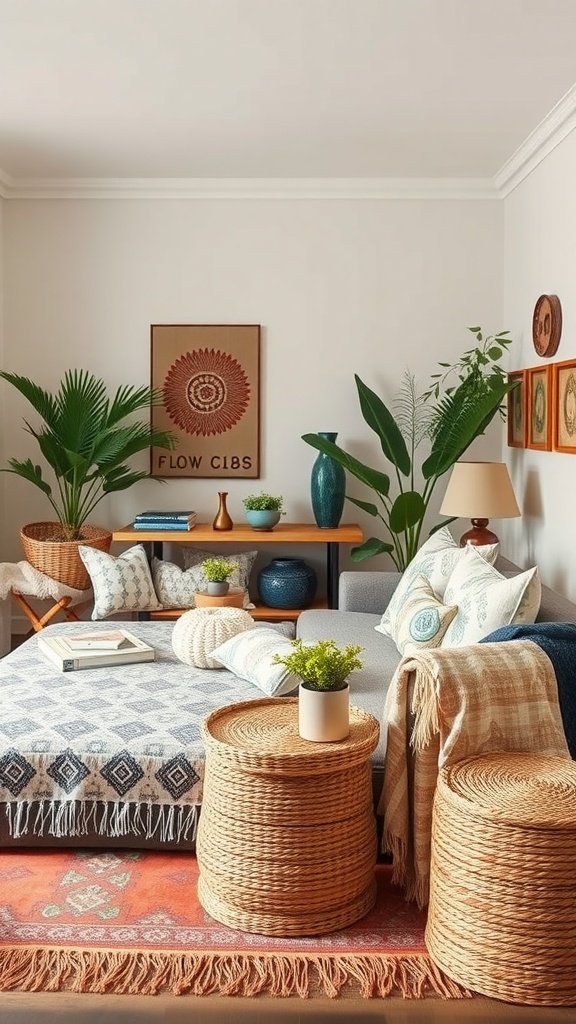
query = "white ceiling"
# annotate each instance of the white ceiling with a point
(124, 89)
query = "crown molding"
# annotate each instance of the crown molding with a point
(536, 147)
(248, 188)
(546, 136)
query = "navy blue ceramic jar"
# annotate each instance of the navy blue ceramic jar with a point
(287, 583)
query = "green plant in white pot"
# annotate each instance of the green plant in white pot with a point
(218, 572)
(263, 510)
(323, 694)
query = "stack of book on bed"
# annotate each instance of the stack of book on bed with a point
(158, 520)
(82, 649)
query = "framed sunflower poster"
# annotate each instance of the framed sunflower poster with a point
(209, 377)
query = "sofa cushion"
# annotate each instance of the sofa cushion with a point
(436, 560)
(487, 600)
(422, 620)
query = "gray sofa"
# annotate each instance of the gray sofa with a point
(363, 596)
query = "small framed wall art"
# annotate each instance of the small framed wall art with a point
(539, 408)
(547, 325)
(209, 378)
(564, 407)
(516, 410)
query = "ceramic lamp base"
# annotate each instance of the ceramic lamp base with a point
(478, 534)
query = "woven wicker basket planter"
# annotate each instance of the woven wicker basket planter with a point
(502, 913)
(286, 843)
(60, 559)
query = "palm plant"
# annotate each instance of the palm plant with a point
(448, 416)
(86, 441)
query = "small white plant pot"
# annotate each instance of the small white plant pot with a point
(323, 716)
(218, 589)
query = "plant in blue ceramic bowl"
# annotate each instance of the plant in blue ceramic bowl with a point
(263, 510)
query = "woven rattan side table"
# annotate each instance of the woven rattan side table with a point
(286, 843)
(502, 913)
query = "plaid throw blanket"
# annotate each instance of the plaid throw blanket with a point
(446, 705)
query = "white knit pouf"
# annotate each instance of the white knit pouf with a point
(201, 630)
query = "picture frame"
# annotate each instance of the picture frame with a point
(209, 379)
(516, 411)
(564, 406)
(539, 408)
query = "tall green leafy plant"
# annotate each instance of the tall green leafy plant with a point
(87, 439)
(458, 406)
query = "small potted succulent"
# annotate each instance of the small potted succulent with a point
(323, 695)
(218, 572)
(263, 510)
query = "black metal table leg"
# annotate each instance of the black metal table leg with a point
(333, 550)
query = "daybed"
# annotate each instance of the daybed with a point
(114, 757)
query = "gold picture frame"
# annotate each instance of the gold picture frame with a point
(564, 406)
(209, 378)
(516, 411)
(539, 408)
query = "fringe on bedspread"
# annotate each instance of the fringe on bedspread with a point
(167, 823)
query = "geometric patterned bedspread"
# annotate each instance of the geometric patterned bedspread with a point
(126, 736)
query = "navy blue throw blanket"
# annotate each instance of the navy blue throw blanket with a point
(558, 641)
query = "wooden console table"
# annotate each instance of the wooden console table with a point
(283, 534)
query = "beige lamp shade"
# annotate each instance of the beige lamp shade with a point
(480, 491)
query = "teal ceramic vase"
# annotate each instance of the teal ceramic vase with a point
(327, 487)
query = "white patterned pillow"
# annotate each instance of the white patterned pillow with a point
(423, 619)
(436, 560)
(174, 587)
(488, 600)
(249, 656)
(239, 580)
(121, 584)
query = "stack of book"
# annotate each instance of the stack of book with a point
(77, 650)
(158, 520)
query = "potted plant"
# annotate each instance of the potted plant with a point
(323, 694)
(218, 572)
(87, 440)
(448, 416)
(263, 510)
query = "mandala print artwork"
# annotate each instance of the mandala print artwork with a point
(208, 377)
(206, 392)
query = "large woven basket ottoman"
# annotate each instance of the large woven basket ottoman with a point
(502, 913)
(286, 842)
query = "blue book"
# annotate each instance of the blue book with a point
(158, 524)
(154, 514)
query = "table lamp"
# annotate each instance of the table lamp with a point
(480, 491)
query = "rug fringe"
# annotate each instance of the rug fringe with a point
(230, 974)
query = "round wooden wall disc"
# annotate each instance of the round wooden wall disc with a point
(547, 325)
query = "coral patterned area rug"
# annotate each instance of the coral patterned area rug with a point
(130, 922)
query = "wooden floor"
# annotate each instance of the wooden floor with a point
(66, 1008)
(63, 1008)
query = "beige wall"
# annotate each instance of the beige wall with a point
(540, 257)
(339, 287)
